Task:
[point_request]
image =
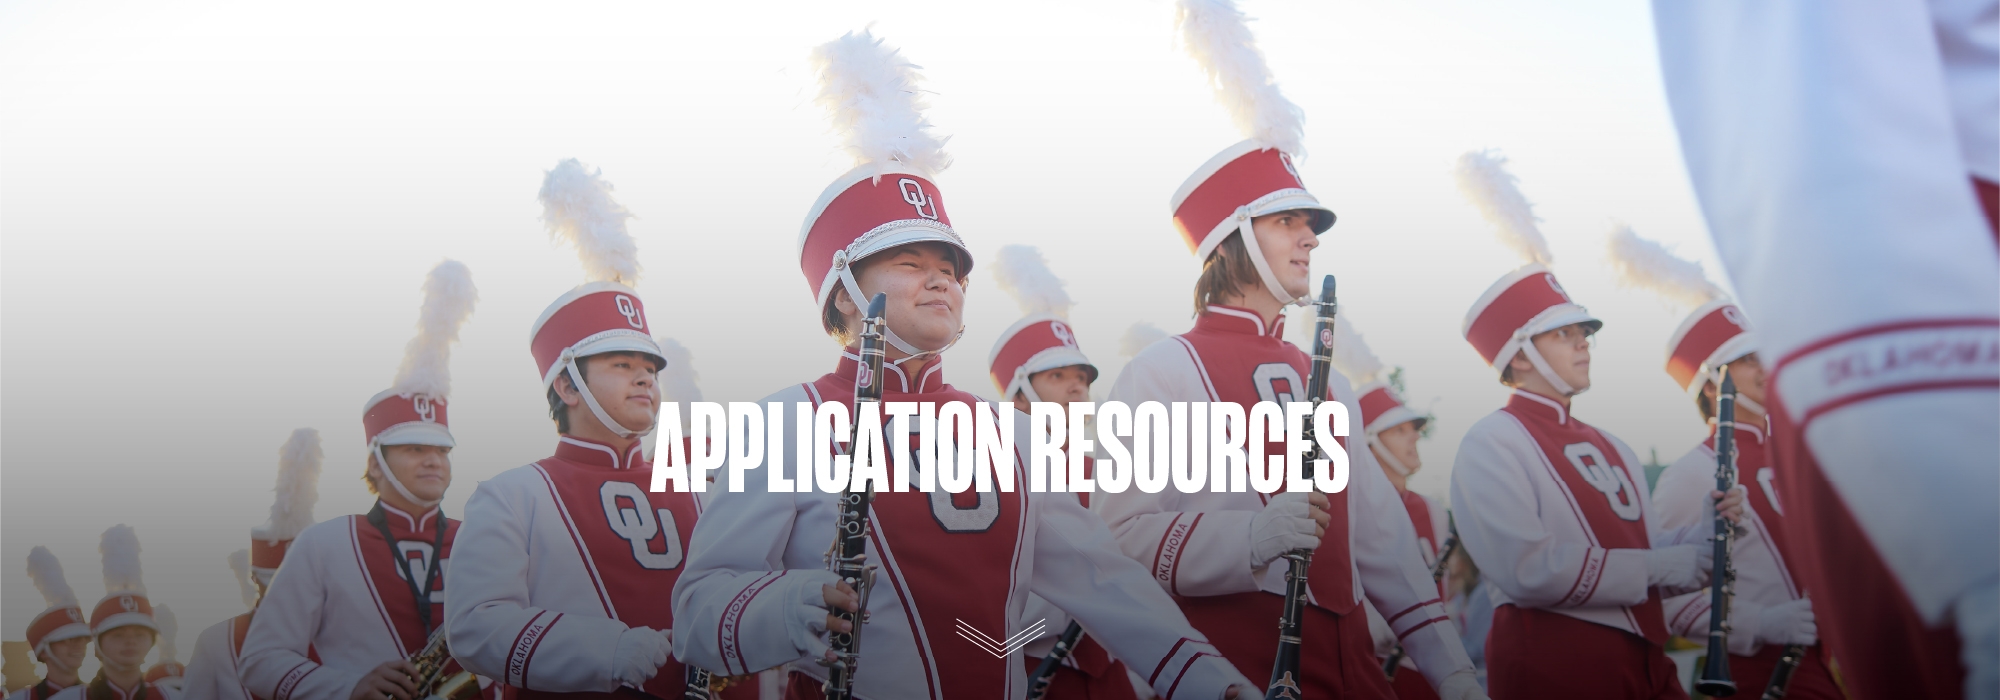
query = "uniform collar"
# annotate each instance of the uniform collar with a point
(417, 523)
(1755, 431)
(1221, 318)
(570, 448)
(897, 379)
(1537, 404)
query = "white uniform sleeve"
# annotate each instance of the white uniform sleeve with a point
(1895, 100)
(287, 621)
(493, 629)
(1678, 498)
(730, 604)
(1079, 568)
(1393, 574)
(1215, 557)
(1494, 494)
(209, 673)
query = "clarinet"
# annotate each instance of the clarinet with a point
(1395, 659)
(1285, 671)
(1781, 677)
(1714, 680)
(700, 684)
(1038, 683)
(849, 553)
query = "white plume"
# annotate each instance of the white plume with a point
(678, 379)
(1649, 265)
(239, 564)
(298, 486)
(1483, 178)
(875, 101)
(1024, 274)
(47, 573)
(1140, 336)
(1351, 354)
(120, 548)
(163, 617)
(578, 209)
(448, 300)
(1218, 36)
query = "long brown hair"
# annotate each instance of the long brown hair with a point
(1226, 271)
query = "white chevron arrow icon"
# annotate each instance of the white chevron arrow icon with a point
(1000, 648)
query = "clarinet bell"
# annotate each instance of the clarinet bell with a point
(1714, 680)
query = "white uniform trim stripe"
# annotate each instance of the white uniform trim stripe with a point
(374, 596)
(1206, 384)
(916, 621)
(589, 566)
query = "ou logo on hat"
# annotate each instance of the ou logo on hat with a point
(1735, 315)
(630, 309)
(1062, 333)
(1286, 160)
(424, 408)
(913, 193)
(126, 602)
(75, 615)
(1552, 285)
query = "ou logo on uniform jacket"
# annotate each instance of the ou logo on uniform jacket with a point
(1279, 382)
(633, 519)
(1614, 483)
(417, 558)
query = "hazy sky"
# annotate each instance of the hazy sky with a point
(216, 215)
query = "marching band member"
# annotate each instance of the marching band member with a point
(1392, 431)
(359, 595)
(565, 563)
(1247, 216)
(757, 592)
(59, 635)
(1038, 360)
(1769, 608)
(215, 669)
(1554, 511)
(1855, 210)
(123, 626)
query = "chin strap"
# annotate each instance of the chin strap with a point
(1026, 387)
(568, 360)
(854, 294)
(48, 657)
(1542, 366)
(1389, 458)
(1249, 234)
(113, 666)
(1743, 402)
(389, 475)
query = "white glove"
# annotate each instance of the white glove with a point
(1680, 568)
(1283, 525)
(1790, 622)
(1461, 685)
(805, 620)
(640, 653)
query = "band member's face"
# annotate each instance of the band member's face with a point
(1287, 240)
(126, 646)
(68, 653)
(1749, 374)
(626, 384)
(1060, 385)
(1401, 440)
(925, 299)
(1567, 350)
(423, 469)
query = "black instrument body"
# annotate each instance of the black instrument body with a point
(1038, 683)
(1781, 677)
(700, 684)
(1285, 671)
(848, 555)
(1714, 680)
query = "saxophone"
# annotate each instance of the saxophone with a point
(431, 663)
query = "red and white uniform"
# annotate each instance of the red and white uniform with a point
(41, 690)
(1848, 209)
(558, 559)
(946, 559)
(1555, 514)
(1681, 500)
(1197, 545)
(340, 606)
(1089, 672)
(215, 669)
(101, 689)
